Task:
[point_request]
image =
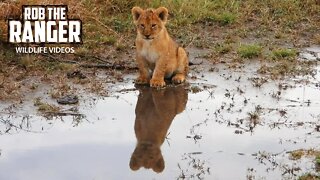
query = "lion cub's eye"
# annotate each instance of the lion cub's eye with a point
(154, 26)
(142, 26)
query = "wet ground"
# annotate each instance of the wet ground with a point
(224, 124)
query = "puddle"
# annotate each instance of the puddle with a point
(219, 123)
(311, 53)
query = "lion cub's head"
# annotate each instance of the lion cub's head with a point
(149, 22)
(147, 155)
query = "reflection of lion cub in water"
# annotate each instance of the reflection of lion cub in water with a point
(155, 111)
(157, 53)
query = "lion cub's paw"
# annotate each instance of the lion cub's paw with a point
(142, 80)
(157, 83)
(178, 78)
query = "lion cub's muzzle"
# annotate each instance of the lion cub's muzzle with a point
(148, 37)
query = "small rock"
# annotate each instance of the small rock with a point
(68, 99)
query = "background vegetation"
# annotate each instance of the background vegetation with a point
(109, 22)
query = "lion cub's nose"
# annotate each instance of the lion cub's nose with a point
(147, 36)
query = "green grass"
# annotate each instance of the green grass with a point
(109, 40)
(284, 53)
(222, 48)
(227, 18)
(113, 19)
(249, 50)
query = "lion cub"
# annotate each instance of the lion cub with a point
(158, 56)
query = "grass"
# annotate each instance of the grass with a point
(295, 155)
(318, 160)
(112, 19)
(195, 89)
(284, 53)
(254, 117)
(223, 48)
(45, 107)
(287, 68)
(298, 154)
(110, 22)
(249, 50)
(108, 40)
(309, 176)
(227, 18)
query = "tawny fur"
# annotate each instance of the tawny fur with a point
(155, 111)
(157, 55)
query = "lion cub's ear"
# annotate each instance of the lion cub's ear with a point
(162, 13)
(158, 167)
(134, 164)
(136, 13)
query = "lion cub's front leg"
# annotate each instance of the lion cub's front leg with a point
(158, 74)
(144, 76)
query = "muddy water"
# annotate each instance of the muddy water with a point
(226, 124)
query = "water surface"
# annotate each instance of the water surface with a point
(225, 124)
